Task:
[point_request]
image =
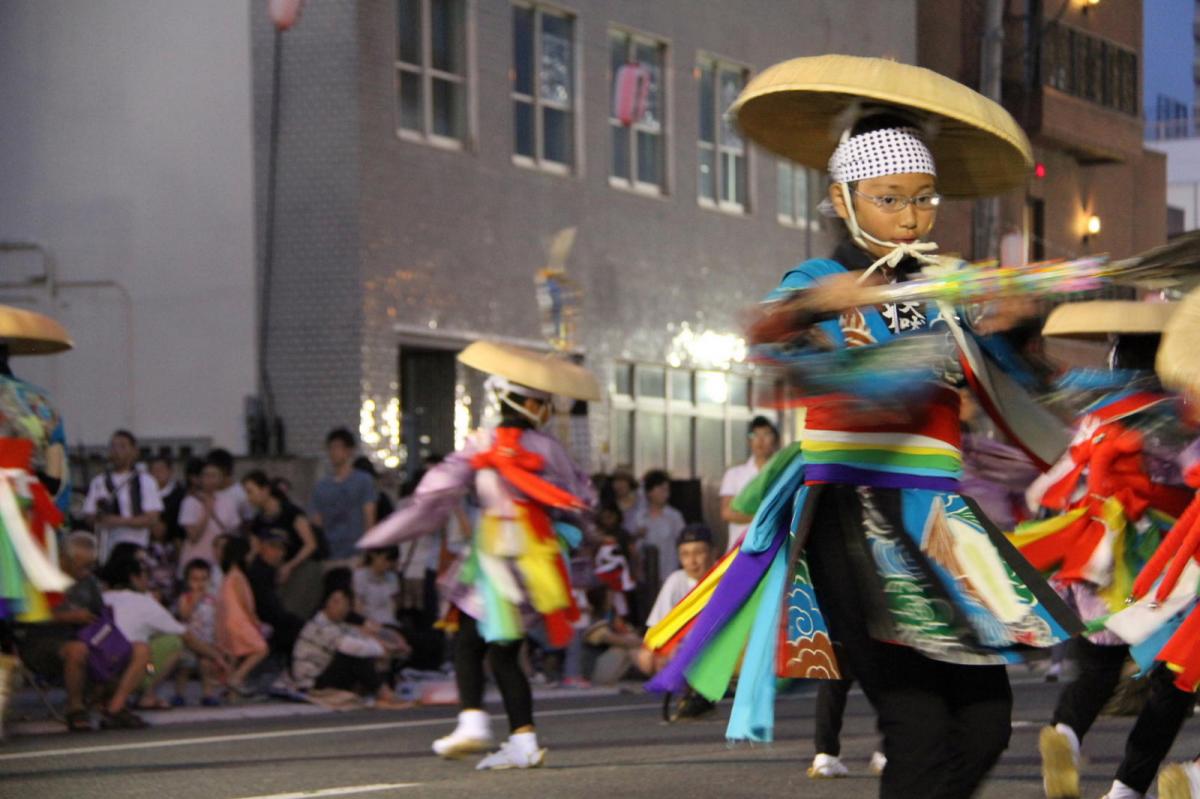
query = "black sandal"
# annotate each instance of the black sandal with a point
(79, 721)
(125, 719)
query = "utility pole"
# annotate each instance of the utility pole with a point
(991, 59)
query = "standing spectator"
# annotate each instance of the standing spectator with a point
(239, 631)
(198, 610)
(223, 460)
(123, 503)
(383, 503)
(299, 575)
(658, 525)
(171, 491)
(206, 514)
(630, 501)
(343, 501)
(331, 655)
(263, 574)
(764, 442)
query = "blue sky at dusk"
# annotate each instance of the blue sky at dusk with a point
(1169, 50)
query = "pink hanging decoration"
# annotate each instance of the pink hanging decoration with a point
(633, 87)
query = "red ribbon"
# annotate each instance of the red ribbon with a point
(1180, 545)
(518, 466)
(1112, 459)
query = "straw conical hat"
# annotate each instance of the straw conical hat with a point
(31, 333)
(547, 372)
(793, 108)
(1098, 318)
(1177, 364)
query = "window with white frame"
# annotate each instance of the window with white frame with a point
(543, 87)
(723, 178)
(798, 192)
(692, 422)
(637, 111)
(431, 70)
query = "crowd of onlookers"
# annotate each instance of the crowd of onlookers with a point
(193, 585)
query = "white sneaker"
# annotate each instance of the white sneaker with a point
(521, 750)
(1120, 790)
(827, 767)
(878, 763)
(1060, 762)
(1180, 781)
(473, 734)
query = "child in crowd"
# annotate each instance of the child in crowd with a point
(197, 608)
(239, 631)
(377, 586)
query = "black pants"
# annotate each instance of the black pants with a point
(831, 708)
(1081, 701)
(469, 651)
(349, 673)
(1154, 731)
(944, 725)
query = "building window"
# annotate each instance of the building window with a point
(799, 191)
(543, 87)
(723, 174)
(692, 422)
(431, 69)
(637, 111)
(1090, 68)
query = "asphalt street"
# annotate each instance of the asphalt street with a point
(613, 746)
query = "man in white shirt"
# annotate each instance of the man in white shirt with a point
(695, 551)
(124, 502)
(764, 442)
(223, 460)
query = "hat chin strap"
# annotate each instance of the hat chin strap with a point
(536, 419)
(899, 250)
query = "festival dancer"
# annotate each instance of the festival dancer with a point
(34, 486)
(514, 573)
(925, 598)
(1111, 499)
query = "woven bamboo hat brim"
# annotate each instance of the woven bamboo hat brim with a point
(31, 333)
(549, 371)
(1177, 364)
(793, 108)
(1098, 318)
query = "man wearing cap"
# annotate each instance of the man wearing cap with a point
(514, 574)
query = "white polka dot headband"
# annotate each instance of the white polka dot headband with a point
(891, 151)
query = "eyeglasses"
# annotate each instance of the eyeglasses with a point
(895, 203)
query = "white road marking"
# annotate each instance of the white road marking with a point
(344, 791)
(259, 736)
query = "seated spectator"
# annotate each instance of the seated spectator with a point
(53, 649)
(377, 586)
(611, 641)
(197, 609)
(206, 514)
(263, 574)
(695, 552)
(239, 630)
(300, 572)
(144, 622)
(332, 655)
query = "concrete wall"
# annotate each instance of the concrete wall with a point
(125, 148)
